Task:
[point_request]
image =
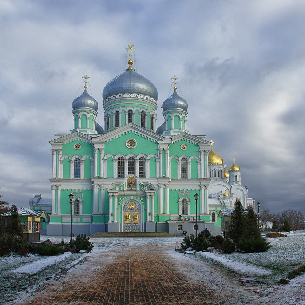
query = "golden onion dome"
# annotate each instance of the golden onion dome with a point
(214, 158)
(226, 174)
(234, 167)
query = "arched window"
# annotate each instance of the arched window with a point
(117, 118)
(143, 119)
(107, 122)
(235, 178)
(142, 167)
(152, 122)
(130, 114)
(184, 206)
(184, 168)
(76, 206)
(131, 166)
(121, 167)
(77, 168)
(213, 217)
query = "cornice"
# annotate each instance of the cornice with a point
(72, 136)
(189, 137)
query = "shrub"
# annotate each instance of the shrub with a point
(216, 241)
(253, 245)
(46, 248)
(82, 243)
(275, 235)
(228, 246)
(13, 243)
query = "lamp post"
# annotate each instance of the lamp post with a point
(71, 198)
(196, 225)
(258, 205)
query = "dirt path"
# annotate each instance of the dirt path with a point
(133, 275)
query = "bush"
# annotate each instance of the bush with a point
(228, 246)
(216, 241)
(253, 246)
(46, 248)
(13, 243)
(82, 243)
(275, 235)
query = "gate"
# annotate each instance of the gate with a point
(132, 216)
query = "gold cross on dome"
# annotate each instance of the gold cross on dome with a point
(234, 159)
(212, 143)
(86, 77)
(174, 82)
(130, 47)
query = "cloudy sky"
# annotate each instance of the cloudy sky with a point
(240, 64)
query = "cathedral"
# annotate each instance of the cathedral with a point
(129, 175)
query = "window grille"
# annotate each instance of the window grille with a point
(117, 119)
(184, 168)
(152, 122)
(142, 167)
(77, 168)
(121, 167)
(184, 206)
(131, 166)
(143, 118)
(76, 206)
(213, 217)
(130, 114)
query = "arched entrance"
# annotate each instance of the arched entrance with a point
(132, 216)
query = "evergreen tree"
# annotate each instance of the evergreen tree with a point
(14, 226)
(236, 222)
(251, 229)
(286, 226)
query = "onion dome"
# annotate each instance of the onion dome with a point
(175, 102)
(85, 100)
(161, 128)
(234, 167)
(130, 82)
(226, 174)
(214, 158)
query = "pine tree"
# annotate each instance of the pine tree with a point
(236, 222)
(14, 226)
(275, 226)
(286, 226)
(251, 229)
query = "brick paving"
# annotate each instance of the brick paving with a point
(137, 275)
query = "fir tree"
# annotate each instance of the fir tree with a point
(286, 226)
(14, 226)
(251, 229)
(275, 226)
(236, 222)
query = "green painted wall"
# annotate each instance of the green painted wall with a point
(175, 149)
(91, 122)
(83, 120)
(109, 167)
(66, 168)
(176, 122)
(86, 148)
(123, 117)
(194, 169)
(76, 121)
(137, 118)
(169, 123)
(87, 168)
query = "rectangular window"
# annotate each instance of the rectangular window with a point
(130, 116)
(77, 168)
(117, 119)
(184, 168)
(76, 207)
(121, 167)
(143, 119)
(131, 166)
(142, 167)
(152, 122)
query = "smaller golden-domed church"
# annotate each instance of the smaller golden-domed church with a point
(128, 175)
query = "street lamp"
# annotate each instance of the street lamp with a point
(258, 205)
(71, 198)
(196, 225)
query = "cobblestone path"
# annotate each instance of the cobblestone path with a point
(137, 275)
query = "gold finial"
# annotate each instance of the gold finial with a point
(212, 143)
(86, 77)
(174, 81)
(130, 61)
(234, 159)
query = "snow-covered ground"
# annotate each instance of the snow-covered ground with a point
(21, 275)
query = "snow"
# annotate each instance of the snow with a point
(36, 266)
(237, 266)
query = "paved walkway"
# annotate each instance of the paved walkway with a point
(135, 275)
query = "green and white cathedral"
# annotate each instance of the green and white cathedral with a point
(131, 175)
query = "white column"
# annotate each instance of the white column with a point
(166, 199)
(180, 122)
(115, 207)
(61, 165)
(126, 114)
(160, 165)
(58, 200)
(137, 167)
(201, 164)
(95, 198)
(79, 121)
(147, 207)
(59, 154)
(105, 168)
(101, 173)
(172, 122)
(53, 199)
(125, 167)
(95, 161)
(54, 163)
(166, 163)
(110, 207)
(179, 169)
(88, 117)
(102, 201)
(152, 207)
(160, 199)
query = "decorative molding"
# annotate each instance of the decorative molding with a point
(71, 137)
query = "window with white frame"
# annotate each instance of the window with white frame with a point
(131, 166)
(130, 114)
(117, 118)
(143, 119)
(184, 206)
(142, 167)
(77, 168)
(121, 167)
(76, 206)
(184, 168)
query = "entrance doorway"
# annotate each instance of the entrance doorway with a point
(132, 216)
